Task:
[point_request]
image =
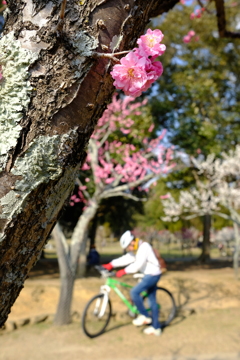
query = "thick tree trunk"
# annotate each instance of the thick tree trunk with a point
(72, 261)
(63, 314)
(80, 236)
(53, 92)
(205, 255)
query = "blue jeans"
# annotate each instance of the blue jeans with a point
(149, 284)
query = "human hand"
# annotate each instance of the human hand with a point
(108, 266)
(120, 273)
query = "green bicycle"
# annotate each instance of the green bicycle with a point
(98, 310)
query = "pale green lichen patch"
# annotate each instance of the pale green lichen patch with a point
(60, 193)
(41, 163)
(84, 43)
(115, 43)
(15, 89)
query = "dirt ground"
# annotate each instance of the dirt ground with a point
(207, 325)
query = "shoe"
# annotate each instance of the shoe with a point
(142, 320)
(150, 330)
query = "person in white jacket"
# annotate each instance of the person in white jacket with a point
(146, 262)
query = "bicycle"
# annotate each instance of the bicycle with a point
(98, 311)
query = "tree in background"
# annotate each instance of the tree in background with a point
(217, 188)
(113, 168)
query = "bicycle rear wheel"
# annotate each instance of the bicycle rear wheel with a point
(167, 304)
(96, 315)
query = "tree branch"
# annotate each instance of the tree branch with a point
(93, 150)
(123, 194)
(85, 193)
(128, 186)
(160, 8)
(221, 21)
(62, 247)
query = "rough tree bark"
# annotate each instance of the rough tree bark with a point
(53, 92)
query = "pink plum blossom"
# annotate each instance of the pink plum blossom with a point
(151, 128)
(125, 131)
(191, 33)
(85, 166)
(198, 13)
(154, 71)
(130, 75)
(135, 74)
(138, 70)
(186, 39)
(149, 44)
(109, 180)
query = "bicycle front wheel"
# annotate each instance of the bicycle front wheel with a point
(167, 310)
(96, 315)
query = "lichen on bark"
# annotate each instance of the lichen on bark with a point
(41, 163)
(15, 91)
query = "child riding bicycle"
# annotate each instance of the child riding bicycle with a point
(140, 257)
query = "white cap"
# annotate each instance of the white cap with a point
(125, 239)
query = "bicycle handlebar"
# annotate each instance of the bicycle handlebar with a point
(104, 272)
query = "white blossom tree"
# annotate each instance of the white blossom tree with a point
(217, 187)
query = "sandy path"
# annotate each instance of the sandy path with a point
(212, 332)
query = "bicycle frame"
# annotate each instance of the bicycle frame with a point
(112, 284)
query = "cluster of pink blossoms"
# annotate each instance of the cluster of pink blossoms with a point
(187, 38)
(198, 10)
(138, 69)
(197, 13)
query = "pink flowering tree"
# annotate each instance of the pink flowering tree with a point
(217, 188)
(112, 168)
(216, 8)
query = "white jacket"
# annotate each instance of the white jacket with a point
(144, 261)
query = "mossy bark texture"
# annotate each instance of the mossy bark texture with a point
(53, 92)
